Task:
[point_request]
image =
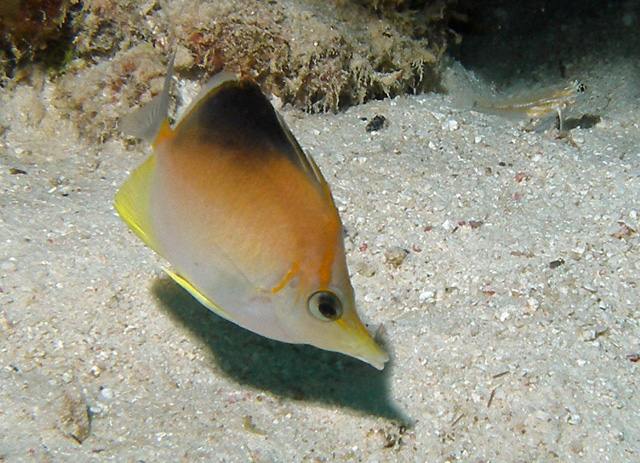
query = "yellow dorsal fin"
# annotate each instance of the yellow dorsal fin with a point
(133, 202)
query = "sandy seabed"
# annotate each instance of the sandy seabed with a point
(499, 268)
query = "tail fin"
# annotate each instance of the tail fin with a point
(145, 122)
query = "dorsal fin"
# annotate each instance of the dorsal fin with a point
(236, 117)
(133, 202)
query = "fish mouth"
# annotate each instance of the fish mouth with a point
(361, 345)
(374, 355)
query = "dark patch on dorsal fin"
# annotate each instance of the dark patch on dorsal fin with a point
(237, 117)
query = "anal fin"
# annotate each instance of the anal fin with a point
(201, 298)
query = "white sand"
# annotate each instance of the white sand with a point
(496, 356)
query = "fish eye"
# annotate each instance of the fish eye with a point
(580, 87)
(325, 306)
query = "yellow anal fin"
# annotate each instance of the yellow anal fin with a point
(201, 298)
(133, 202)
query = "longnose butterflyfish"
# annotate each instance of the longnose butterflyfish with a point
(245, 218)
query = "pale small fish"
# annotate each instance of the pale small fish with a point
(537, 107)
(245, 218)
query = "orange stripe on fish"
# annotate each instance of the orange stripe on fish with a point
(287, 278)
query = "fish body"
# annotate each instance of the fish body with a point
(537, 108)
(246, 220)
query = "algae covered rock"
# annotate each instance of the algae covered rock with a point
(315, 55)
(33, 29)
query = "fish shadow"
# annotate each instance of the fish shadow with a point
(293, 371)
(585, 122)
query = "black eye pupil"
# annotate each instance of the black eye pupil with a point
(325, 306)
(327, 309)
